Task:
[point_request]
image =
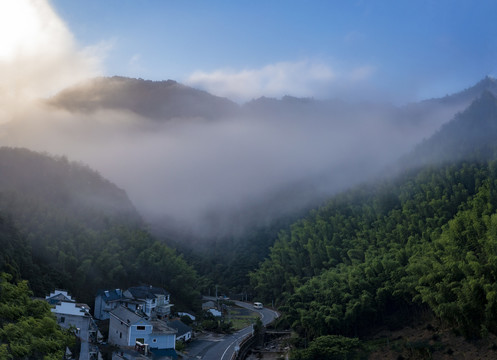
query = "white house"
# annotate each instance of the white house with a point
(150, 300)
(58, 295)
(126, 328)
(71, 314)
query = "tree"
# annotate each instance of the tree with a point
(28, 329)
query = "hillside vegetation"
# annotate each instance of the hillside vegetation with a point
(65, 226)
(28, 329)
(382, 254)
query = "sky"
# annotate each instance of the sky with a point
(392, 50)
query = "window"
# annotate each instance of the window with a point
(62, 319)
(120, 335)
(140, 328)
(154, 340)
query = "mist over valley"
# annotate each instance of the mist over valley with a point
(215, 173)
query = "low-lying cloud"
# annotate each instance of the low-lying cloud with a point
(218, 178)
(299, 78)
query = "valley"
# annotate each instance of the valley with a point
(414, 238)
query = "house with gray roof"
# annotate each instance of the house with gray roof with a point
(184, 332)
(57, 296)
(152, 301)
(128, 328)
(106, 301)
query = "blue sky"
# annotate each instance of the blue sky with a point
(394, 50)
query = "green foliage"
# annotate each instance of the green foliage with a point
(331, 347)
(180, 345)
(379, 254)
(258, 326)
(226, 262)
(28, 330)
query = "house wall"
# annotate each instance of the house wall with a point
(162, 341)
(148, 306)
(98, 311)
(80, 322)
(118, 332)
(185, 337)
(102, 308)
(82, 325)
(139, 334)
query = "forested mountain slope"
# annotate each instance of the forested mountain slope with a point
(380, 253)
(72, 188)
(472, 135)
(65, 226)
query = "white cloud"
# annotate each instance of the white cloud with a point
(301, 78)
(39, 55)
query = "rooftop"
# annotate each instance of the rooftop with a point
(146, 292)
(180, 326)
(126, 316)
(110, 295)
(160, 327)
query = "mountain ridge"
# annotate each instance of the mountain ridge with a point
(99, 93)
(151, 99)
(471, 134)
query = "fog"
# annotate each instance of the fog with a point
(215, 178)
(203, 177)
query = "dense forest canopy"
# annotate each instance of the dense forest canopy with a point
(381, 253)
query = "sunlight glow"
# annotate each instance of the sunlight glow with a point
(38, 54)
(27, 27)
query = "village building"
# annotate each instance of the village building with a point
(152, 301)
(129, 329)
(106, 301)
(70, 314)
(184, 332)
(148, 300)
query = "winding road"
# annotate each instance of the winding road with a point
(222, 348)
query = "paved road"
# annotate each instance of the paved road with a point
(222, 348)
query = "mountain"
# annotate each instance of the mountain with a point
(163, 100)
(159, 100)
(69, 187)
(471, 135)
(488, 83)
(62, 225)
(411, 250)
